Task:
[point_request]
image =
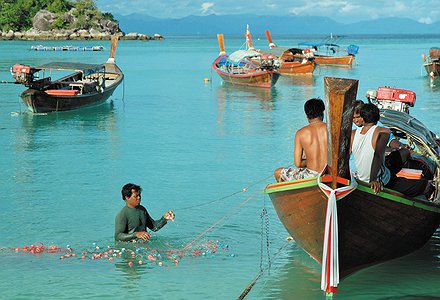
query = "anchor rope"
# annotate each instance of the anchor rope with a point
(220, 220)
(260, 274)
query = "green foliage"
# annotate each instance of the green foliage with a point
(60, 21)
(109, 16)
(17, 15)
(59, 6)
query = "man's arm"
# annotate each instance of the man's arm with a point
(353, 132)
(298, 152)
(378, 158)
(155, 225)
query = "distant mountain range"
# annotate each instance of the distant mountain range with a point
(285, 25)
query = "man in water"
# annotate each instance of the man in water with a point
(310, 149)
(132, 221)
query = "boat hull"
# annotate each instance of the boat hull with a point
(38, 101)
(432, 69)
(346, 60)
(372, 229)
(262, 80)
(247, 77)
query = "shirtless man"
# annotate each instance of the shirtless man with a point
(310, 150)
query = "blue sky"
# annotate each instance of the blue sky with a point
(345, 11)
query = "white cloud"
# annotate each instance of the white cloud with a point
(425, 20)
(206, 7)
(400, 7)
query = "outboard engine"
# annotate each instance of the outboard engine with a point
(309, 54)
(269, 62)
(23, 74)
(392, 98)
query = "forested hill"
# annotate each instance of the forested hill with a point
(18, 15)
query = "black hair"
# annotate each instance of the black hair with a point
(370, 113)
(314, 108)
(127, 190)
(357, 105)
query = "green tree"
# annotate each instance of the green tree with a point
(59, 6)
(17, 15)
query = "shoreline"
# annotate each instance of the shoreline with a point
(74, 35)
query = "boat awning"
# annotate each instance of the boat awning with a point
(279, 51)
(86, 69)
(410, 125)
(239, 55)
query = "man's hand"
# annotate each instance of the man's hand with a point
(169, 215)
(376, 186)
(143, 235)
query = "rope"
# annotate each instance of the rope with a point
(212, 201)
(260, 274)
(243, 190)
(219, 221)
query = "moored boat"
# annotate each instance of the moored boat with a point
(339, 220)
(81, 84)
(329, 53)
(246, 67)
(294, 61)
(431, 63)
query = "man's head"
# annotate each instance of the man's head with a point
(314, 108)
(370, 113)
(357, 119)
(131, 193)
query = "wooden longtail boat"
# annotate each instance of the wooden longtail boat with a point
(245, 67)
(294, 61)
(431, 63)
(329, 53)
(340, 221)
(80, 85)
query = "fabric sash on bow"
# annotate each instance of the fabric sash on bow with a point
(330, 251)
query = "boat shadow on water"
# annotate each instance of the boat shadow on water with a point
(97, 114)
(432, 84)
(94, 118)
(414, 276)
(233, 93)
(300, 80)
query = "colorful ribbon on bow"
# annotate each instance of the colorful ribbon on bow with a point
(330, 251)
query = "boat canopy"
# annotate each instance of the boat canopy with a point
(86, 69)
(239, 55)
(279, 51)
(411, 126)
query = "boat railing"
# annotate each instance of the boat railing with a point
(40, 84)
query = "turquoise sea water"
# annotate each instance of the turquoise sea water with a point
(204, 150)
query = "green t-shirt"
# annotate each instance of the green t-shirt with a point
(131, 220)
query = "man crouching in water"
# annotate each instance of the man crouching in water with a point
(310, 149)
(132, 221)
